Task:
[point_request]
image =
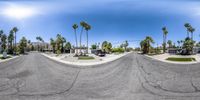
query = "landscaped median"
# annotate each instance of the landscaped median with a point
(181, 59)
(177, 59)
(83, 60)
(9, 57)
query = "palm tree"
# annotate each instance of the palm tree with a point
(75, 26)
(58, 43)
(62, 44)
(149, 41)
(4, 41)
(187, 26)
(83, 24)
(169, 42)
(53, 44)
(1, 33)
(10, 41)
(179, 43)
(191, 30)
(15, 30)
(165, 32)
(39, 39)
(126, 45)
(146, 44)
(87, 28)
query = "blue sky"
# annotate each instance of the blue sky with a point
(111, 20)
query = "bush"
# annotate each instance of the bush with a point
(118, 50)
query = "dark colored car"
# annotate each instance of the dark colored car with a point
(100, 53)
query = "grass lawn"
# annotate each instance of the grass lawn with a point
(181, 59)
(85, 58)
(5, 58)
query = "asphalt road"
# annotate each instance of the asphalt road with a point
(132, 77)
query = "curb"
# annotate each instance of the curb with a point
(83, 64)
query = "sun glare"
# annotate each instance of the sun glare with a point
(19, 12)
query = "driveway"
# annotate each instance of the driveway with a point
(132, 77)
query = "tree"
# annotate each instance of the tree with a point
(39, 39)
(106, 47)
(188, 45)
(1, 33)
(87, 28)
(146, 44)
(62, 44)
(179, 43)
(68, 46)
(15, 30)
(4, 41)
(22, 45)
(165, 32)
(191, 30)
(126, 45)
(83, 24)
(10, 41)
(59, 40)
(169, 42)
(53, 44)
(75, 26)
(94, 46)
(187, 26)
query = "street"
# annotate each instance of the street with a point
(132, 77)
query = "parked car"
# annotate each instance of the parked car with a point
(100, 53)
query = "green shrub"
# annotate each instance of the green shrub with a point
(117, 50)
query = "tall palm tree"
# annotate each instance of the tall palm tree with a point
(10, 41)
(62, 44)
(179, 43)
(75, 26)
(39, 39)
(53, 44)
(15, 30)
(83, 24)
(191, 30)
(87, 28)
(165, 32)
(1, 33)
(187, 26)
(169, 42)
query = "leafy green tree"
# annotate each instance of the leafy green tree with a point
(179, 42)
(188, 45)
(94, 46)
(165, 32)
(4, 42)
(22, 45)
(68, 46)
(106, 47)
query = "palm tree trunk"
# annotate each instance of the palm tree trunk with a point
(15, 44)
(81, 36)
(192, 36)
(87, 42)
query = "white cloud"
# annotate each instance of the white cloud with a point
(18, 11)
